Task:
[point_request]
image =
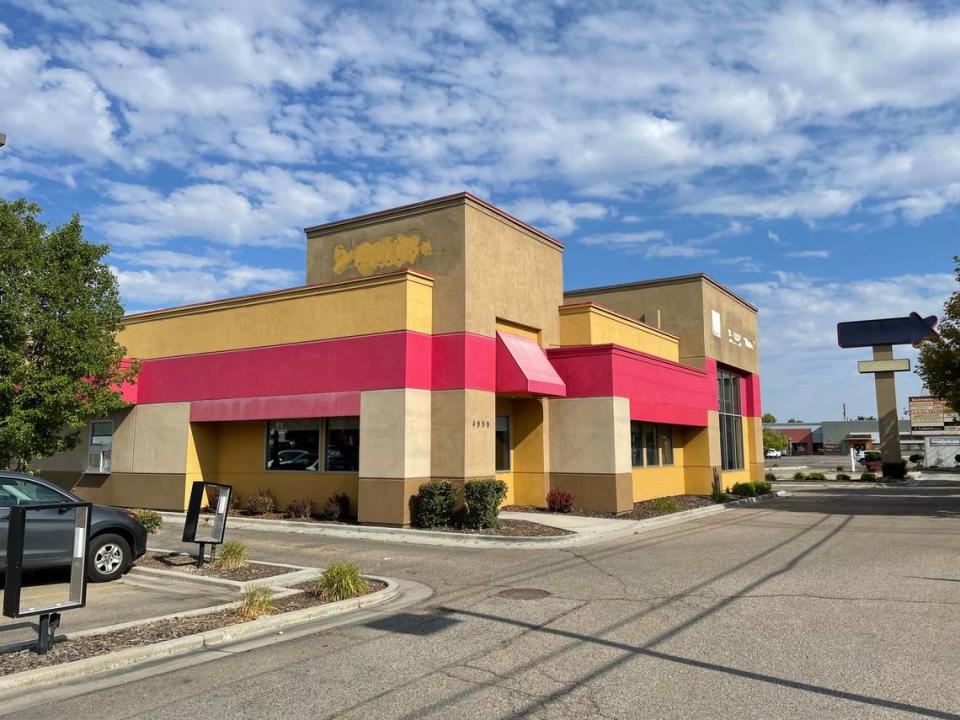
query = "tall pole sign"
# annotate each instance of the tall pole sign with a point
(882, 335)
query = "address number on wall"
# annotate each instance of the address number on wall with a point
(481, 423)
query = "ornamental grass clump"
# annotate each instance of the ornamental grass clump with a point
(150, 519)
(341, 581)
(436, 501)
(664, 505)
(233, 555)
(300, 508)
(483, 499)
(257, 601)
(261, 503)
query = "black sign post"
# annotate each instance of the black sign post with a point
(882, 334)
(212, 535)
(75, 545)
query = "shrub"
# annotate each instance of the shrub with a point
(868, 476)
(257, 601)
(664, 505)
(798, 475)
(770, 478)
(744, 489)
(559, 501)
(435, 503)
(956, 458)
(816, 476)
(897, 470)
(483, 499)
(762, 487)
(213, 495)
(150, 519)
(330, 510)
(261, 503)
(871, 456)
(839, 468)
(916, 459)
(232, 555)
(300, 508)
(343, 501)
(719, 497)
(842, 476)
(340, 581)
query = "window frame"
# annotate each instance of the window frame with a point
(326, 443)
(509, 441)
(639, 452)
(100, 447)
(321, 461)
(730, 420)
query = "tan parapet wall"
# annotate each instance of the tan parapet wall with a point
(591, 324)
(597, 492)
(387, 303)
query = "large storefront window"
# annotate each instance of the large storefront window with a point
(101, 447)
(731, 421)
(651, 445)
(343, 444)
(296, 444)
(502, 443)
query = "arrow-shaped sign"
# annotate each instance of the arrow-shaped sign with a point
(912, 329)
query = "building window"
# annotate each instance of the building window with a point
(652, 457)
(342, 448)
(101, 447)
(636, 443)
(293, 444)
(502, 443)
(665, 433)
(731, 421)
(651, 445)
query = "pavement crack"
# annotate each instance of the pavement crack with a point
(603, 571)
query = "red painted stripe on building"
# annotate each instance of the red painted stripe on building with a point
(659, 390)
(266, 408)
(750, 396)
(464, 360)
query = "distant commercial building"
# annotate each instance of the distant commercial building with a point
(838, 437)
(434, 340)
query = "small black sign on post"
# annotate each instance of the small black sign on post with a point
(219, 497)
(61, 539)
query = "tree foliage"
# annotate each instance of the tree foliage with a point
(60, 312)
(769, 418)
(939, 362)
(772, 440)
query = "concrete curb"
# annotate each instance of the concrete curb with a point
(79, 669)
(298, 574)
(614, 528)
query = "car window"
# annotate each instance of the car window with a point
(25, 492)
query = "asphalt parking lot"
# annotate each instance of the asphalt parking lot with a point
(834, 602)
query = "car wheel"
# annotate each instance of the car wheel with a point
(108, 557)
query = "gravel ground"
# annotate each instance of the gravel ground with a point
(188, 564)
(85, 647)
(509, 528)
(641, 510)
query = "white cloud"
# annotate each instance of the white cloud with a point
(821, 254)
(624, 240)
(808, 205)
(798, 318)
(743, 263)
(558, 217)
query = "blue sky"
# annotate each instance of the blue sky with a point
(805, 154)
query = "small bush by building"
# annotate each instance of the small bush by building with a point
(150, 519)
(842, 476)
(343, 500)
(261, 503)
(559, 500)
(868, 476)
(744, 489)
(300, 508)
(483, 499)
(330, 510)
(799, 475)
(435, 503)
(341, 581)
(770, 478)
(762, 487)
(819, 476)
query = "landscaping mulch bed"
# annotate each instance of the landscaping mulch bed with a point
(69, 650)
(178, 562)
(348, 520)
(509, 528)
(641, 510)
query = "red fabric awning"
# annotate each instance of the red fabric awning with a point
(523, 367)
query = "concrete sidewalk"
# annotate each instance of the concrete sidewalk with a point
(586, 530)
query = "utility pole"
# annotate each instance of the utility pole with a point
(844, 412)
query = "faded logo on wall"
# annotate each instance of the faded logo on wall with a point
(392, 251)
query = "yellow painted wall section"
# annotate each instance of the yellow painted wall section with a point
(697, 461)
(387, 303)
(586, 324)
(530, 481)
(522, 331)
(753, 447)
(650, 483)
(240, 462)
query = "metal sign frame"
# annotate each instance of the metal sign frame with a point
(16, 531)
(221, 513)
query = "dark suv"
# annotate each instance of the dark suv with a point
(117, 538)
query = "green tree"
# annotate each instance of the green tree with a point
(769, 418)
(59, 315)
(939, 362)
(772, 440)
